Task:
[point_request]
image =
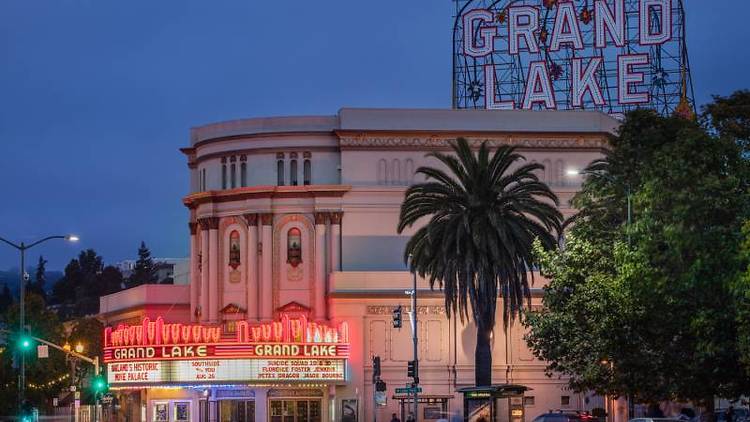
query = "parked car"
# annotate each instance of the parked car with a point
(740, 414)
(565, 416)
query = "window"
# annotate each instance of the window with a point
(528, 401)
(564, 400)
(293, 173)
(560, 173)
(243, 174)
(203, 180)
(382, 172)
(280, 172)
(182, 412)
(307, 172)
(234, 249)
(234, 175)
(547, 171)
(223, 176)
(161, 412)
(294, 247)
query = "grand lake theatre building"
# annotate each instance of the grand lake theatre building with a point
(296, 267)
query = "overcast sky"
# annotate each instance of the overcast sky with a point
(96, 96)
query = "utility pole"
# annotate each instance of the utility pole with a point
(414, 328)
(22, 247)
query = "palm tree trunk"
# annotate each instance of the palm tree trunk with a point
(483, 358)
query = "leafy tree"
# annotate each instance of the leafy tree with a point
(586, 327)
(85, 280)
(661, 290)
(730, 117)
(483, 218)
(87, 331)
(40, 278)
(64, 290)
(145, 269)
(110, 280)
(42, 375)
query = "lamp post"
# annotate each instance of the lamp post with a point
(22, 247)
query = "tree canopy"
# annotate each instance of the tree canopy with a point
(145, 269)
(650, 309)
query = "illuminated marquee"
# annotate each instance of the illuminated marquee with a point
(289, 349)
(608, 55)
(225, 370)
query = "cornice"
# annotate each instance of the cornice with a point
(264, 192)
(417, 141)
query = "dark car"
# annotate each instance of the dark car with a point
(564, 417)
(740, 414)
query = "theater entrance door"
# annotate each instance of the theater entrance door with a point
(295, 410)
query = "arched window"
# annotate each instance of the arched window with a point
(234, 175)
(547, 171)
(280, 172)
(293, 173)
(560, 173)
(203, 180)
(235, 255)
(396, 172)
(243, 174)
(307, 172)
(294, 247)
(223, 176)
(382, 172)
(409, 171)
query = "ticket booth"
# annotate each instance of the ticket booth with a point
(495, 403)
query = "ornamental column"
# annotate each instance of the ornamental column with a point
(320, 265)
(336, 241)
(195, 282)
(213, 268)
(204, 224)
(266, 287)
(251, 264)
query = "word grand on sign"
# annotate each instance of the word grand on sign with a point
(608, 55)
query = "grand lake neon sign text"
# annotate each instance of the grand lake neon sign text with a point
(568, 54)
(292, 349)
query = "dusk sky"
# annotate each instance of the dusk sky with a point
(96, 96)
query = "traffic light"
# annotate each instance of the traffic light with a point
(25, 342)
(99, 384)
(412, 370)
(397, 317)
(375, 367)
(27, 411)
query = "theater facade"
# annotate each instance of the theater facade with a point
(296, 267)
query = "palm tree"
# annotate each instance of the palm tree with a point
(483, 219)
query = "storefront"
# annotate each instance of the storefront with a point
(196, 372)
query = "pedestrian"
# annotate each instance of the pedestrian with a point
(395, 418)
(410, 417)
(729, 415)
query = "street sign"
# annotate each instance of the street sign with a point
(408, 390)
(42, 351)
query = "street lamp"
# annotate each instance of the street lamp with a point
(22, 247)
(79, 347)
